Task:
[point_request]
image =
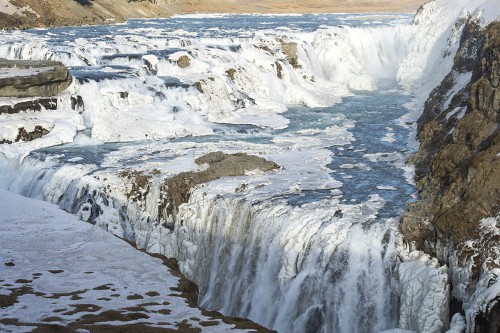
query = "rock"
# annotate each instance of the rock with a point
(279, 69)
(48, 103)
(290, 51)
(178, 188)
(183, 61)
(199, 87)
(23, 78)
(458, 163)
(230, 72)
(26, 136)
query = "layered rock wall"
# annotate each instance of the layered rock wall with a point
(458, 166)
(32, 78)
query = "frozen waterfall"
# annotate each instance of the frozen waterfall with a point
(310, 247)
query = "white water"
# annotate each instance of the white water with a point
(307, 248)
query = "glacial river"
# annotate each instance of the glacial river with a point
(310, 247)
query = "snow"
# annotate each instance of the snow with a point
(70, 270)
(434, 41)
(62, 124)
(8, 8)
(13, 72)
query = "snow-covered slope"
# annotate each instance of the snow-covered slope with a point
(58, 273)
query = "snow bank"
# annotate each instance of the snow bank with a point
(74, 271)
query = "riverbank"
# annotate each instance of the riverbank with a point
(24, 14)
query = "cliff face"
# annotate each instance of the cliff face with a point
(458, 165)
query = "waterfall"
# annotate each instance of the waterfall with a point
(292, 268)
(310, 247)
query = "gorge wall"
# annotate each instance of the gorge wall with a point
(458, 174)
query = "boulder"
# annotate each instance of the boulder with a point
(183, 61)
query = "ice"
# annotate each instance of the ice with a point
(424, 297)
(127, 79)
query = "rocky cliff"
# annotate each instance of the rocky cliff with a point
(457, 170)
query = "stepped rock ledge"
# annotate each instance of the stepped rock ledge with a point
(27, 78)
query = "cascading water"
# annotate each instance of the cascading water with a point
(309, 247)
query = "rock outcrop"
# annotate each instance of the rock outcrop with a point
(290, 51)
(458, 163)
(178, 188)
(32, 78)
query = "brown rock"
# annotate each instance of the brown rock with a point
(458, 163)
(290, 51)
(230, 72)
(178, 188)
(183, 61)
(24, 78)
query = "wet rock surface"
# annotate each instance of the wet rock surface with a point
(458, 163)
(22, 78)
